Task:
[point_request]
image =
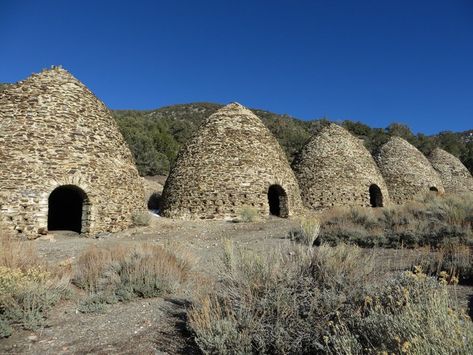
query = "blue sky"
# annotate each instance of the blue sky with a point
(377, 61)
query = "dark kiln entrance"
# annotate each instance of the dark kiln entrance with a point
(66, 208)
(376, 197)
(277, 199)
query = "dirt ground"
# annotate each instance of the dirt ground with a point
(157, 325)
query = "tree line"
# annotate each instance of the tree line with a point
(155, 136)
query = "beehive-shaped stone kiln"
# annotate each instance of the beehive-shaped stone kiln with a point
(406, 170)
(231, 163)
(335, 169)
(455, 176)
(63, 162)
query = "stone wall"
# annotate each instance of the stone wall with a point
(229, 164)
(455, 176)
(406, 170)
(54, 132)
(335, 169)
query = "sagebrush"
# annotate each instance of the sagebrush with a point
(323, 300)
(432, 220)
(122, 272)
(28, 286)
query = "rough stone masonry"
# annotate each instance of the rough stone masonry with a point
(406, 170)
(55, 133)
(335, 169)
(232, 162)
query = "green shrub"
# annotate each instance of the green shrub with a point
(248, 214)
(28, 288)
(122, 272)
(323, 300)
(411, 313)
(141, 219)
(96, 303)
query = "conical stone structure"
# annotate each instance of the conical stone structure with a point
(406, 170)
(455, 176)
(335, 169)
(232, 162)
(63, 162)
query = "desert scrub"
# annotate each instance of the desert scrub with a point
(323, 300)
(28, 287)
(411, 313)
(248, 214)
(123, 272)
(454, 260)
(141, 219)
(432, 220)
(280, 302)
(307, 231)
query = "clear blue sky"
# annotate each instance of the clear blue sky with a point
(376, 61)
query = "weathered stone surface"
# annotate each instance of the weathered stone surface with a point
(335, 169)
(406, 170)
(54, 132)
(230, 162)
(455, 176)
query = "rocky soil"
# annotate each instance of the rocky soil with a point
(157, 325)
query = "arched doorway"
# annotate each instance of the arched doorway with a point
(67, 209)
(154, 201)
(376, 196)
(434, 189)
(277, 199)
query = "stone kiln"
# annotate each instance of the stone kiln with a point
(455, 176)
(406, 170)
(230, 163)
(335, 169)
(63, 162)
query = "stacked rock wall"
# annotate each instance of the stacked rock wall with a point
(455, 176)
(229, 164)
(335, 169)
(406, 170)
(55, 132)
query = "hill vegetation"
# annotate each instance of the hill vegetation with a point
(156, 136)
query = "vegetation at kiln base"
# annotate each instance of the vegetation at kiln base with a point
(443, 224)
(325, 300)
(122, 272)
(247, 214)
(28, 286)
(156, 136)
(307, 232)
(141, 219)
(432, 220)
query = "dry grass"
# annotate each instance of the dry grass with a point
(323, 300)
(16, 254)
(432, 220)
(122, 272)
(28, 286)
(453, 259)
(307, 232)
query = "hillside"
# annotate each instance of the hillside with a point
(155, 136)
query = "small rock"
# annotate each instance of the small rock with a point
(103, 235)
(33, 338)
